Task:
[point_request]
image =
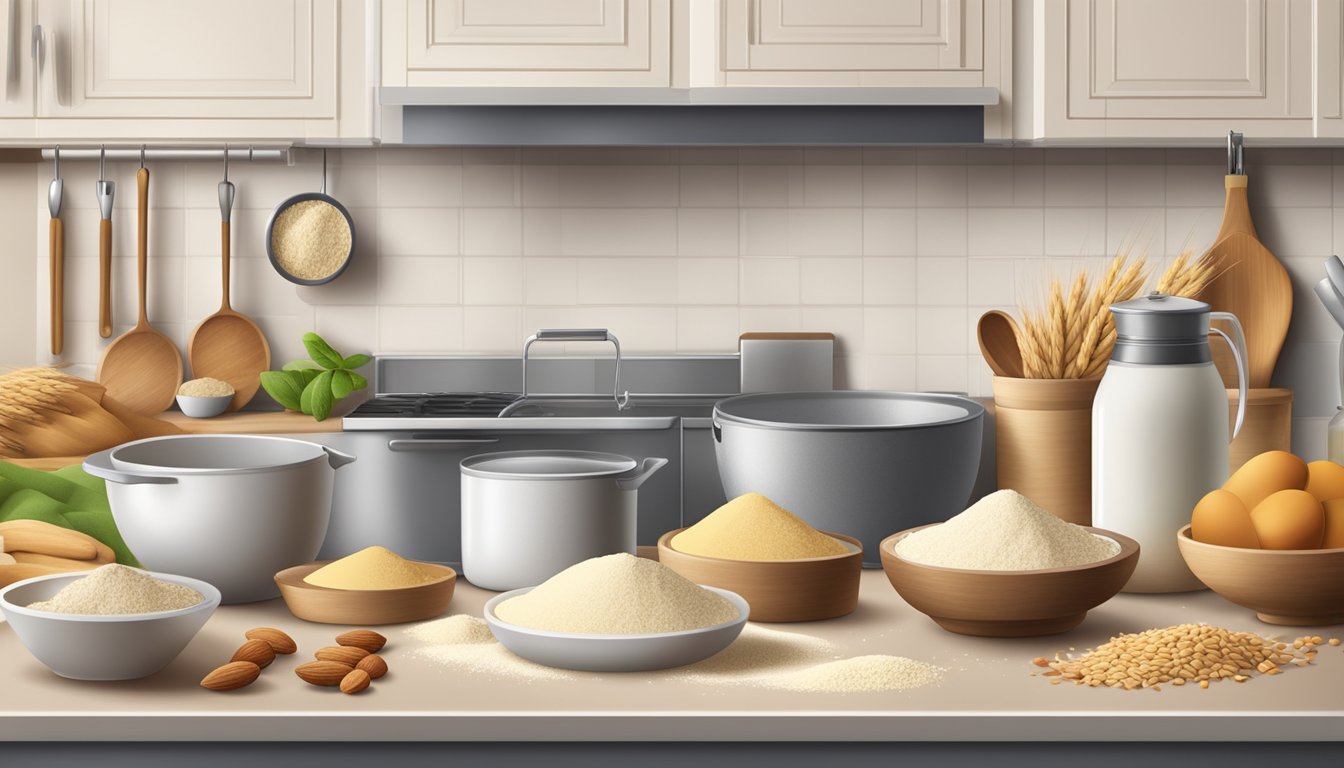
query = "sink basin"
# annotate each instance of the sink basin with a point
(598, 406)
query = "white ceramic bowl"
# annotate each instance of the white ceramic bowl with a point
(103, 647)
(616, 653)
(203, 407)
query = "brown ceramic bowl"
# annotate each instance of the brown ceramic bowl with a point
(778, 590)
(1009, 603)
(365, 606)
(1296, 587)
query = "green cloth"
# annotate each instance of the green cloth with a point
(68, 497)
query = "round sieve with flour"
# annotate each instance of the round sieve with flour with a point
(311, 237)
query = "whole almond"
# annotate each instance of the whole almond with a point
(362, 638)
(341, 653)
(280, 642)
(323, 672)
(258, 652)
(354, 682)
(374, 665)
(233, 675)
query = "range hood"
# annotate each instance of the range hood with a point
(689, 116)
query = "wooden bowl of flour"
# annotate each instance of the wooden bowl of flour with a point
(365, 606)
(778, 590)
(1009, 603)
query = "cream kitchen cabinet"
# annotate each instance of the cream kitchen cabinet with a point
(527, 42)
(946, 43)
(1330, 68)
(110, 70)
(1155, 69)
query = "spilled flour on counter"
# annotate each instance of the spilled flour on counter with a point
(859, 674)
(465, 643)
(760, 657)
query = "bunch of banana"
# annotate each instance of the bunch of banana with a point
(31, 548)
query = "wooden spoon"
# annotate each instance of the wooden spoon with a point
(997, 332)
(1252, 285)
(142, 368)
(227, 345)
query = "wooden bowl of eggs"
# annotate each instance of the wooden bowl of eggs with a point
(1272, 540)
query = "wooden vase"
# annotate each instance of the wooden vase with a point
(1043, 433)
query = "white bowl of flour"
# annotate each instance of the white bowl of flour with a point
(74, 642)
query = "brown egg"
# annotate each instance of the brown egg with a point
(1334, 524)
(1220, 518)
(1267, 473)
(1289, 520)
(1325, 480)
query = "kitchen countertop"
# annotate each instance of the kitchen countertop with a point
(252, 423)
(246, 422)
(988, 694)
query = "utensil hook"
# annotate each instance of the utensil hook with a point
(142, 155)
(57, 154)
(324, 171)
(102, 159)
(1236, 155)
(226, 162)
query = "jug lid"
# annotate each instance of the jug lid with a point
(1161, 329)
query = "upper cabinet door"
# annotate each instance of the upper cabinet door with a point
(190, 59)
(528, 42)
(1158, 69)
(853, 35)
(1329, 68)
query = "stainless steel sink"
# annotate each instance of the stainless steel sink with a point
(593, 406)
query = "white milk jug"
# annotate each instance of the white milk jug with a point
(1159, 430)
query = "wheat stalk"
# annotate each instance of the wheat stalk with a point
(1186, 278)
(1067, 338)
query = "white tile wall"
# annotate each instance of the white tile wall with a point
(898, 251)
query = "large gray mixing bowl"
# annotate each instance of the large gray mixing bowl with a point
(865, 464)
(231, 510)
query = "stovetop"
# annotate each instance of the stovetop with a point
(435, 405)
(481, 411)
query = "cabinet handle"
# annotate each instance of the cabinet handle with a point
(407, 446)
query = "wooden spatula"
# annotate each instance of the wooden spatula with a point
(1251, 284)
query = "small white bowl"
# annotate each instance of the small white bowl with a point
(123, 647)
(616, 653)
(203, 407)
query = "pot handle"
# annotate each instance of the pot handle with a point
(337, 459)
(100, 465)
(638, 475)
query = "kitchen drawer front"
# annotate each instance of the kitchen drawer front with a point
(404, 490)
(527, 42)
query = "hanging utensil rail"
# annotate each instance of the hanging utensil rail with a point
(170, 154)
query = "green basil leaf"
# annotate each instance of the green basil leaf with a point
(307, 375)
(281, 389)
(357, 361)
(341, 384)
(359, 381)
(305, 400)
(321, 351)
(301, 365)
(321, 400)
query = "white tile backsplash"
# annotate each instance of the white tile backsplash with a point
(896, 250)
